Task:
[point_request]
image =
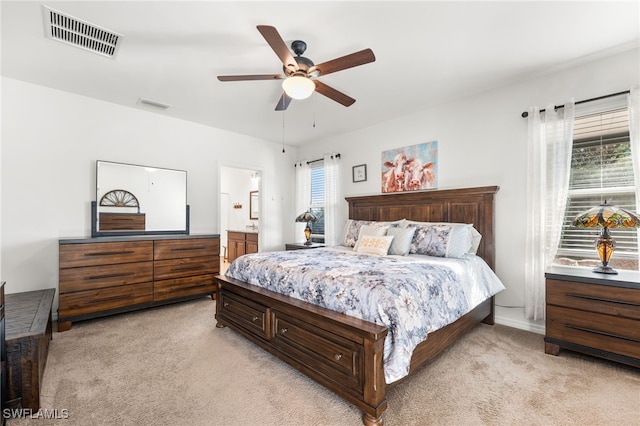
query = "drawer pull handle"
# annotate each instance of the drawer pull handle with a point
(283, 330)
(255, 319)
(188, 268)
(601, 299)
(102, 277)
(109, 253)
(225, 304)
(602, 333)
(189, 248)
(338, 356)
(113, 298)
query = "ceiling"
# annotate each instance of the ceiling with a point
(427, 53)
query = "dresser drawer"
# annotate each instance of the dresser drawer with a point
(181, 287)
(604, 332)
(86, 302)
(91, 254)
(330, 355)
(177, 249)
(244, 313)
(95, 277)
(617, 301)
(177, 268)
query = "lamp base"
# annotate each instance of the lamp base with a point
(309, 242)
(605, 270)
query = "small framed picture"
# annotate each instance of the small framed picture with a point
(360, 173)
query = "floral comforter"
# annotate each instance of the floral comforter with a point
(410, 295)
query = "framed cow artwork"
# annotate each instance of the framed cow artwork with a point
(411, 168)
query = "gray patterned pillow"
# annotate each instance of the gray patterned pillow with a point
(402, 238)
(441, 239)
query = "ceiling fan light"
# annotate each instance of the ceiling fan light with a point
(298, 87)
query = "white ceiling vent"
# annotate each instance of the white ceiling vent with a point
(76, 32)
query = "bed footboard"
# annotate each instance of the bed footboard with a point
(342, 353)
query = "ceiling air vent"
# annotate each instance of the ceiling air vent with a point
(76, 32)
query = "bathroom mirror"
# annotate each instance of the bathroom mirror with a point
(136, 200)
(254, 205)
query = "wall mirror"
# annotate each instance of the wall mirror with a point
(254, 205)
(137, 200)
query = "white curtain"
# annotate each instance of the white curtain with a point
(303, 197)
(633, 104)
(550, 139)
(331, 168)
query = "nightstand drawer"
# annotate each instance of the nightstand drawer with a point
(604, 332)
(616, 301)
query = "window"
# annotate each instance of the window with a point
(317, 200)
(601, 170)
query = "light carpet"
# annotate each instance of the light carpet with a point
(172, 366)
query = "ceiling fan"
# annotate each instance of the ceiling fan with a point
(300, 73)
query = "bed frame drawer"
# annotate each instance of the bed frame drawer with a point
(335, 357)
(245, 313)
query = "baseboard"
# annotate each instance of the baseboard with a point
(515, 318)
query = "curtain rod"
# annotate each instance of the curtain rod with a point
(319, 159)
(526, 113)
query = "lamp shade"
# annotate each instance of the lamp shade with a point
(298, 87)
(307, 217)
(607, 216)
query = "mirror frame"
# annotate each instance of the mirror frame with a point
(254, 198)
(94, 216)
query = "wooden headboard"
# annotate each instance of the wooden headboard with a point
(465, 205)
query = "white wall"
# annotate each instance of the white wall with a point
(482, 141)
(50, 143)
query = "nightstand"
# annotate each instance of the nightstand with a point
(302, 246)
(593, 313)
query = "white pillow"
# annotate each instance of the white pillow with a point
(402, 237)
(374, 230)
(374, 244)
(351, 230)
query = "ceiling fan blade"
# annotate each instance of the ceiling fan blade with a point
(284, 102)
(349, 61)
(278, 45)
(333, 94)
(250, 77)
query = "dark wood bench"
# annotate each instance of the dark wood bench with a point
(28, 333)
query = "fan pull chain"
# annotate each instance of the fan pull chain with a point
(314, 110)
(283, 131)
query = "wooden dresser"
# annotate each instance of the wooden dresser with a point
(593, 313)
(109, 275)
(241, 243)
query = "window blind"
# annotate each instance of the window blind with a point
(317, 197)
(601, 170)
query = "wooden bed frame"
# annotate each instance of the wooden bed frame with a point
(343, 353)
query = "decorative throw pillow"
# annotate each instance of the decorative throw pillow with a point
(374, 244)
(402, 238)
(441, 240)
(462, 232)
(352, 230)
(375, 230)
